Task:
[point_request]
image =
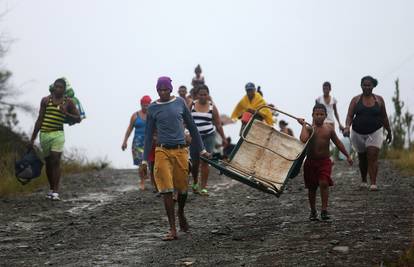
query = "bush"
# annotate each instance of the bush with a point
(402, 159)
(14, 144)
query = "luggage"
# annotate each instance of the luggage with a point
(28, 167)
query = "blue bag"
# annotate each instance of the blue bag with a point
(29, 167)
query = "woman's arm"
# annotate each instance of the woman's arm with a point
(386, 122)
(218, 124)
(39, 120)
(71, 111)
(341, 127)
(350, 116)
(129, 130)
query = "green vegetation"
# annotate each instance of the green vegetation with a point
(14, 145)
(403, 159)
(401, 154)
(406, 260)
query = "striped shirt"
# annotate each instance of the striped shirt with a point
(203, 120)
(54, 118)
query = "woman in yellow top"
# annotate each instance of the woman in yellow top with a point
(249, 104)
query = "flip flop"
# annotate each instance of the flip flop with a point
(204, 192)
(196, 188)
(169, 237)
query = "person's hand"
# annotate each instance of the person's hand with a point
(143, 169)
(389, 137)
(350, 161)
(124, 146)
(63, 109)
(346, 132)
(301, 121)
(30, 145)
(251, 110)
(187, 137)
(225, 143)
(205, 154)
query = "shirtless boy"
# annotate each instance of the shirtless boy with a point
(318, 166)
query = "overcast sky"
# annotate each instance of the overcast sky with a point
(113, 52)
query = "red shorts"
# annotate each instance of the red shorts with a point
(151, 155)
(315, 170)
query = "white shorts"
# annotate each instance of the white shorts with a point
(362, 141)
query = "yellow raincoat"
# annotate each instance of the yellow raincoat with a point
(256, 102)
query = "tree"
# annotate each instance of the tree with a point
(397, 126)
(8, 106)
(408, 119)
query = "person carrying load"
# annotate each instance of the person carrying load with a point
(70, 93)
(54, 109)
(248, 105)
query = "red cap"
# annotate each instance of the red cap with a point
(146, 99)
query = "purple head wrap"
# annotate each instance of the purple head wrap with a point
(164, 82)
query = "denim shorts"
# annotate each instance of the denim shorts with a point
(209, 142)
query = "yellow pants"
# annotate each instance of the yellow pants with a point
(171, 170)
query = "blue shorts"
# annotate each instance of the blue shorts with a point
(209, 142)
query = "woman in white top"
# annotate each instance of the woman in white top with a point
(330, 103)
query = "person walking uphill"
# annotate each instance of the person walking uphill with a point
(367, 115)
(168, 115)
(137, 121)
(54, 110)
(318, 166)
(248, 105)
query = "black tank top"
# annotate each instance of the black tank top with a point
(367, 119)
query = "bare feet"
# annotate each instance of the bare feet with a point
(172, 235)
(184, 227)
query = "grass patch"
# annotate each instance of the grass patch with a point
(72, 162)
(402, 160)
(406, 260)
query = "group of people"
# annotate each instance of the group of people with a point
(368, 117)
(171, 130)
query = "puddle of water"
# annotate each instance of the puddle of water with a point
(93, 200)
(221, 186)
(128, 188)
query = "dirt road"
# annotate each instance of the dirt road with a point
(104, 220)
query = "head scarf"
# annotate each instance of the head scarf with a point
(164, 82)
(146, 100)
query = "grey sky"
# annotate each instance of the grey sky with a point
(114, 51)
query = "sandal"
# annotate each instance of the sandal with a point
(325, 216)
(169, 237)
(373, 187)
(204, 192)
(313, 216)
(195, 188)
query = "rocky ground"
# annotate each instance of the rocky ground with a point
(104, 220)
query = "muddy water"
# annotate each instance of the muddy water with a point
(104, 220)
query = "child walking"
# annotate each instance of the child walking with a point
(318, 165)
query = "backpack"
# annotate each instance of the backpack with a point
(70, 93)
(28, 167)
